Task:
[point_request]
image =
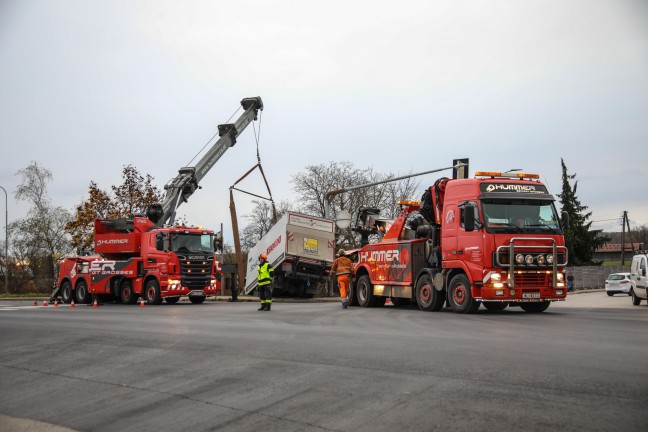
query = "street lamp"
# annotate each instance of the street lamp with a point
(6, 241)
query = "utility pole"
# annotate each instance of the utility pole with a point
(625, 222)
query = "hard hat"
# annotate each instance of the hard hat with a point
(263, 256)
(340, 252)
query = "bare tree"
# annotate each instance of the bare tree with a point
(260, 221)
(39, 238)
(313, 184)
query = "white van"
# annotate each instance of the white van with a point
(639, 289)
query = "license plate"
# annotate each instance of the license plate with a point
(531, 295)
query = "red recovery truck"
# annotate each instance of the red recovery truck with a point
(147, 256)
(495, 240)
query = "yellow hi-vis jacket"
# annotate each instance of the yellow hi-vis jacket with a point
(342, 266)
(265, 274)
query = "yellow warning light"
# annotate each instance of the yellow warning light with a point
(488, 174)
(506, 175)
(408, 202)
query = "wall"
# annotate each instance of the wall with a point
(593, 277)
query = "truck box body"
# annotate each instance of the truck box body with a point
(300, 248)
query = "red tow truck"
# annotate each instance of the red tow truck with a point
(150, 257)
(495, 239)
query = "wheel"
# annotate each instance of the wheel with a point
(364, 291)
(81, 293)
(610, 294)
(152, 292)
(66, 292)
(197, 300)
(635, 300)
(535, 307)
(460, 297)
(126, 293)
(427, 297)
(172, 300)
(495, 306)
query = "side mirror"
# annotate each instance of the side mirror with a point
(565, 220)
(469, 217)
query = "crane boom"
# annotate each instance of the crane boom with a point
(179, 189)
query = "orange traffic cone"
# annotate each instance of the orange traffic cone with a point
(44, 302)
(72, 303)
(142, 302)
(95, 304)
(388, 301)
(35, 302)
(55, 302)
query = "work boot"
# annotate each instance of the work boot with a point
(263, 307)
(344, 305)
(268, 307)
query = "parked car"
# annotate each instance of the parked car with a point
(639, 279)
(618, 283)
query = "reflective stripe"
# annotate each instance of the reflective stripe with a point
(265, 274)
(342, 266)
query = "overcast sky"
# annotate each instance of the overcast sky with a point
(87, 87)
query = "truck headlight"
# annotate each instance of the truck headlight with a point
(541, 259)
(560, 277)
(550, 259)
(528, 259)
(496, 277)
(519, 258)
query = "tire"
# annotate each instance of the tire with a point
(126, 292)
(535, 307)
(427, 296)
(364, 291)
(610, 294)
(635, 300)
(152, 292)
(460, 297)
(172, 300)
(66, 292)
(197, 300)
(495, 306)
(81, 293)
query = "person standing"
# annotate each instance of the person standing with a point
(343, 268)
(266, 273)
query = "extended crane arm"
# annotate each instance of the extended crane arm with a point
(179, 189)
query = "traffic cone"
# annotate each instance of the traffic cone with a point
(55, 302)
(388, 301)
(72, 303)
(35, 302)
(44, 303)
(142, 302)
(94, 303)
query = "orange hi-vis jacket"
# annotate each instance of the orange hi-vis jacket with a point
(342, 266)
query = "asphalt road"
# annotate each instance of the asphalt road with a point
(580, 366)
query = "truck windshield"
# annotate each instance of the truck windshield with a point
(519, 215)
(185, 242)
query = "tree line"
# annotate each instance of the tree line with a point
(49, 232)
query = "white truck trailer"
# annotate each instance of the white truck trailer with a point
(300, 248)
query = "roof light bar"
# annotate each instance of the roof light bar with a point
(408, 202)
(506, 175)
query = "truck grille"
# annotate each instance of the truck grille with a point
(540, 279)
(196, 273)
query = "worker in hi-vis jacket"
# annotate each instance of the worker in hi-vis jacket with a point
(343, 268)
(266, 272)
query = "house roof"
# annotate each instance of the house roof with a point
(616, 247)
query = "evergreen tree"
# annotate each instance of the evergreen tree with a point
(581, 240)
